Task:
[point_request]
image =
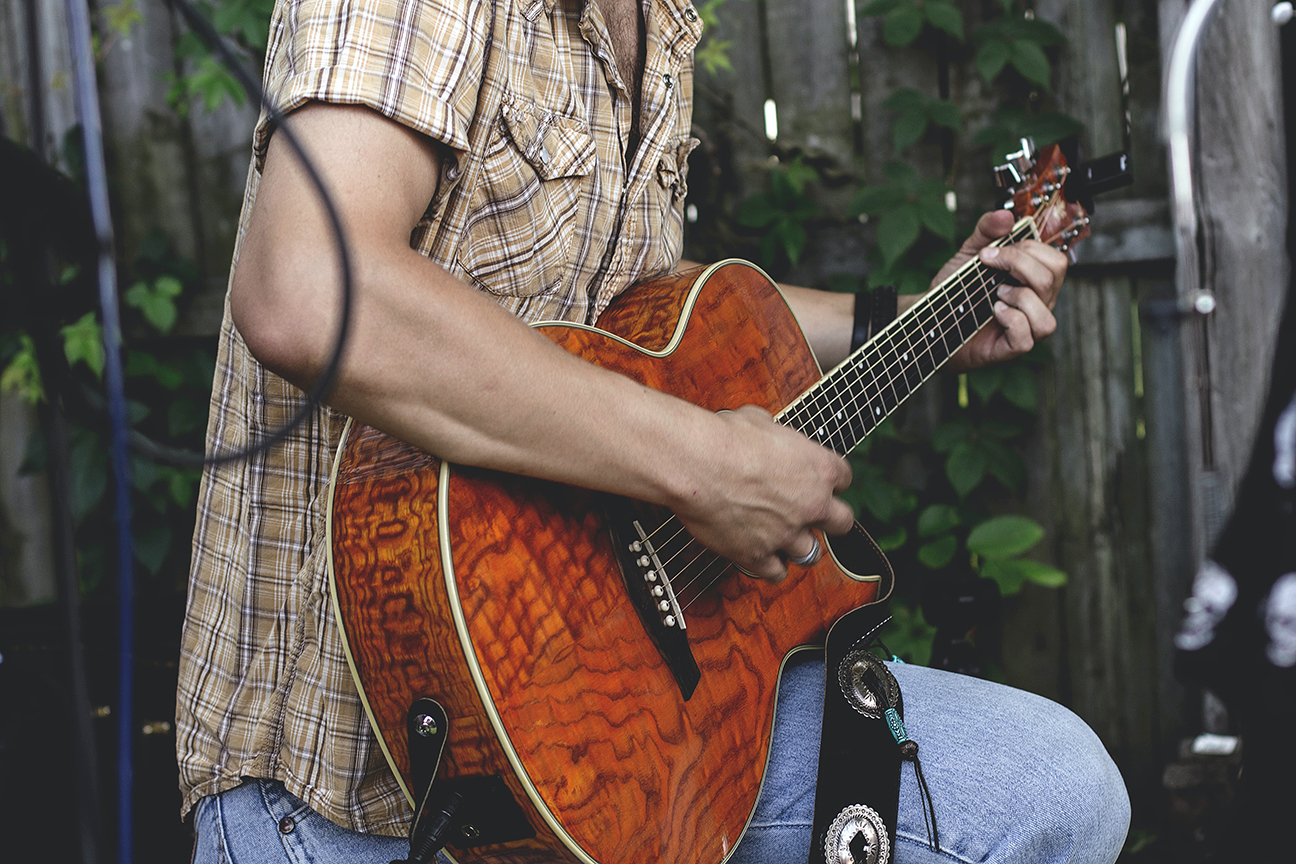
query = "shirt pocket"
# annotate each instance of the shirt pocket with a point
(519, 237)
(671, 189)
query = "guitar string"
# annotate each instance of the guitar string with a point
(805, 404)
(816, 405)
(875, 359)
(983, 278)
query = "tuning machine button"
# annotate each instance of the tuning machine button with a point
(1017, 166)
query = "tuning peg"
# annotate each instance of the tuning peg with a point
(1018, 165)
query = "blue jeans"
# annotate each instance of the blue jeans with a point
(1015, 778)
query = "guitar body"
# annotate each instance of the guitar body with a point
(503, 598)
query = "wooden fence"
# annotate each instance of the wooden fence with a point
(1139, 445)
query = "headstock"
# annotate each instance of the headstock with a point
(1035, 181)
(1057, 196)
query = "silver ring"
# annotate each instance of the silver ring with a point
(815, 553)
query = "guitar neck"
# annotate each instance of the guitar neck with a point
(864, 389)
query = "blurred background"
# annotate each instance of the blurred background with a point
(1045, 517)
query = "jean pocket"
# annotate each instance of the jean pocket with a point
(525, 210)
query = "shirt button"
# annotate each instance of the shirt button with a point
(670, 82)
(690, 14)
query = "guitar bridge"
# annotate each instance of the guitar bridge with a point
(649, 587)
(659, 584)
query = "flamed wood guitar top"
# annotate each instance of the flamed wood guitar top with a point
(502, 598)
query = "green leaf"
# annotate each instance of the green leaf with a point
(986, 382)
(936, 519)
(991, 58)
(1012, 574)
(156, 302)
(1012, 124)
(902, 25)
(758, 211)
(88, 473)
(83, 341)
(881, 7)
(140, 364)
(965, 467)
(938, 553)
(899, 173)
(892, 540)
(22, 374)
(905, 99)
(1034, 30)
(794, 238)
(908, 128)
(151, 545)
(181, 485)
(998, 430)
(1028, 59)
(1004, 536)
(936, 217)
(875, 199)
(885, 500)
(945, 113)
(799, 173)
(1019, 386)
(122, 17)
(714, 55)
(1043, 574)
(896, 232)
(143, 473)
(1007, 574)
(1004, 464)
(945, 16)
(947, 435)
(908, 634)
(185, 416)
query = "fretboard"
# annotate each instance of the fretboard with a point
(854, 398)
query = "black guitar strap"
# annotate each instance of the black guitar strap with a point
(862, 751)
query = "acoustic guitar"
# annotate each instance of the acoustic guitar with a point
(608, 684)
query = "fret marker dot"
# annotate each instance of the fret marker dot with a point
(931, 335)
(877, 410)
(960, 308)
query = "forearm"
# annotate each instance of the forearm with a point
(443, 367)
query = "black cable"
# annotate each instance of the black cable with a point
(176, 456)
(87, 98)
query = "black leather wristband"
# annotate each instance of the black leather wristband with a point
(873, 310)
(863, 318)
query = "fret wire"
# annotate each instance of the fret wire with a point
(982, 278)
(976, 278)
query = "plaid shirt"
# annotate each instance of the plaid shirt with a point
(539, 208)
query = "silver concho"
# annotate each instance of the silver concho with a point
(855, 820)
(850, 675)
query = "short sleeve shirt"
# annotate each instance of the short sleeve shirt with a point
(537, 206)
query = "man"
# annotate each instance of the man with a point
(495, 163)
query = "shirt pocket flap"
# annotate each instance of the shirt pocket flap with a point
(555, 145)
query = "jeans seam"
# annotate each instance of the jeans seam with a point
(221, 840)
(922, 841)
